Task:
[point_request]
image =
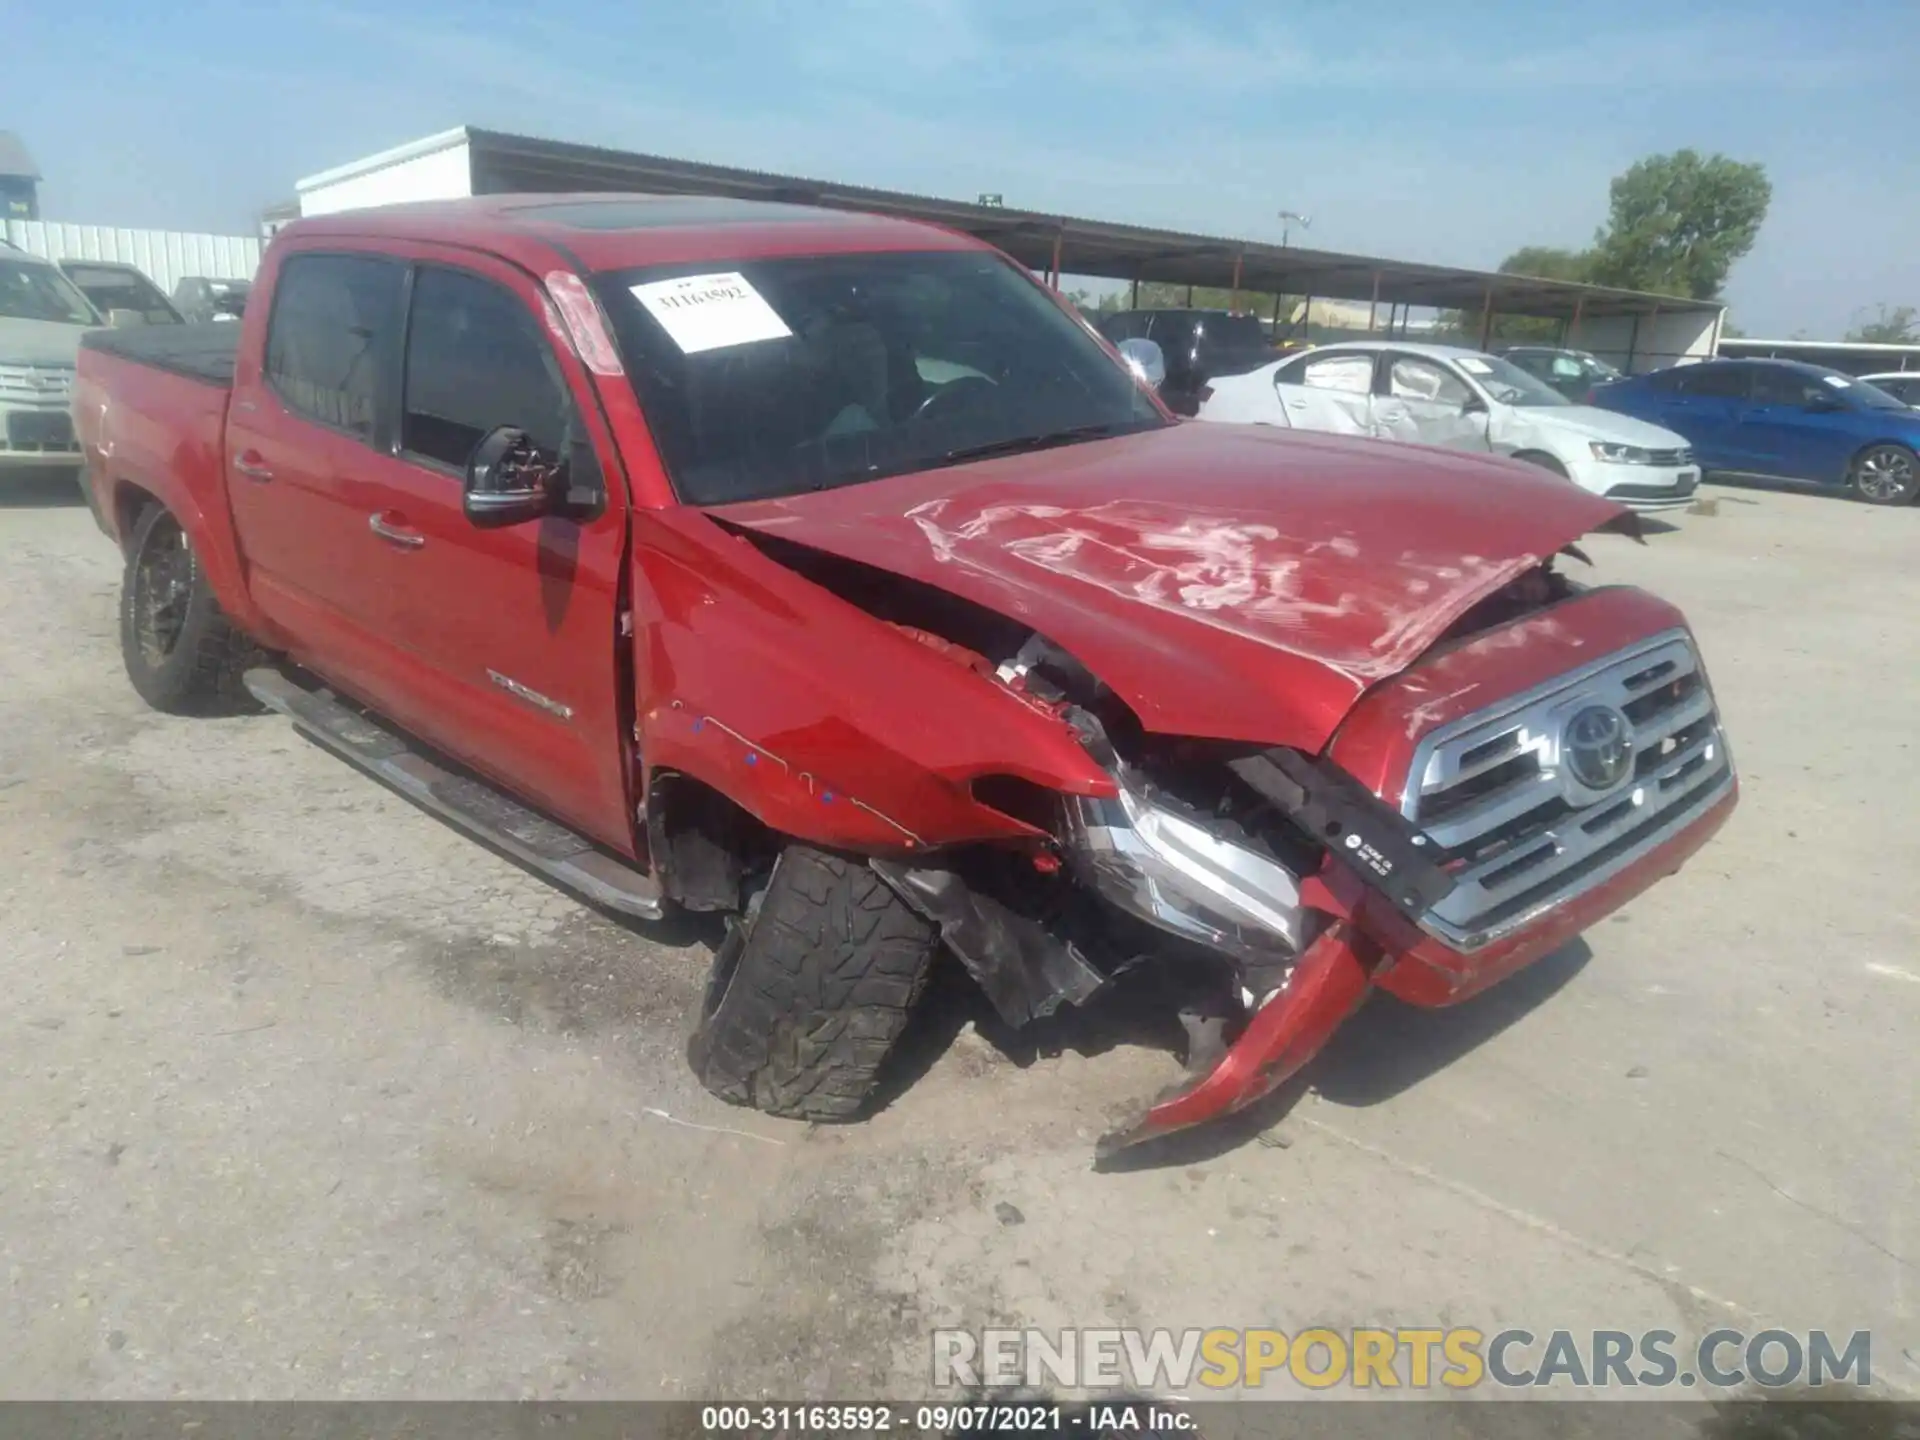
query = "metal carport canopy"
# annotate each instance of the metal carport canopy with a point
(1065, 243)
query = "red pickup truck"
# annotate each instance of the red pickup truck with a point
(828, 571)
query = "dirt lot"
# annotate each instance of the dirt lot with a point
(305, 1095)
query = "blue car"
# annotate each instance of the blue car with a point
(1782, 420)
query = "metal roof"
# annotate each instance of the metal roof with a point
(15, 162)
(1044, 241)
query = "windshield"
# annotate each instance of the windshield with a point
(763, 378)
(1507, 383)
(1862, 393)
(113, 289)
(30, 291)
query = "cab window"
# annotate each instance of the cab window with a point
(475, 360)
(334, 317)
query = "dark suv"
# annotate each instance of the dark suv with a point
(1197, 344)
(1574, 373)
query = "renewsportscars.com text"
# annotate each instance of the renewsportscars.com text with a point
(1416, 1358)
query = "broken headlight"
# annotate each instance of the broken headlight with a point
(1164, 864)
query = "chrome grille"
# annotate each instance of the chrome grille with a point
(36, 384)
(1670, 458)
(1519, 831)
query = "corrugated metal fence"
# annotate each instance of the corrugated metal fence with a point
(166, 256)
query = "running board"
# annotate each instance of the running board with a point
(556, 852)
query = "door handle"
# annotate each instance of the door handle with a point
(395, 534)
(249, 464)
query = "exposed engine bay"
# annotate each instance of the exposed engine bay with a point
(1199, 864)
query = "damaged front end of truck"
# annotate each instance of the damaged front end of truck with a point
(1214, 753)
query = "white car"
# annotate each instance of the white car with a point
(1463, 400)
(1902, 385)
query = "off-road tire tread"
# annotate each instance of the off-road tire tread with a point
(828, 971)
(202, 676)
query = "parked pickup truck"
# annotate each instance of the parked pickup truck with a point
(826, 571)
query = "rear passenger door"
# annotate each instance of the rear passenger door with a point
(512, 635)
(1423, 401)
(303, 436)
(1330, 390)
(1704, 403)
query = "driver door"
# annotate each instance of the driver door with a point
(512, 634)
(1422, 401)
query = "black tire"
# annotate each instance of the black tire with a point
(1886, 475)
(811, 989)
(1544, 461)
(182, 654)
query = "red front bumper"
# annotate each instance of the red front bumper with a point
(1365, 944)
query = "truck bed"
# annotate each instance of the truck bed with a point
(202, 351)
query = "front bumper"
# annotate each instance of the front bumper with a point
(1646, 488)
(1365, 945)
(1361, 940)
(37, 436)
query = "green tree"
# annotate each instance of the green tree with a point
(1541, 262)
(1898, 326)
(1679, 222)
(1547, 262)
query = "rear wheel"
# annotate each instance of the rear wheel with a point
(1886, 475)
(181, 652)
(811, 990)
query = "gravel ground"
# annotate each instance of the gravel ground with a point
(305, 1095)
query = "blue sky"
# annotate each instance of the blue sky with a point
(1443, 132)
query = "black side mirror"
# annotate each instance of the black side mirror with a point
(511, 480)
(1473, 405)
(1825, 404)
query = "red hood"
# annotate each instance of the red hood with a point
(1224, 580)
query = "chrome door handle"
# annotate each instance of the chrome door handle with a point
(252, 469)
(387, 530)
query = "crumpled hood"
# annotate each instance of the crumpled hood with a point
(1592, 423)
(39, 342)
(1226, 581)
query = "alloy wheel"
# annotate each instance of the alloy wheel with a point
(163, 589)
(1886, 473)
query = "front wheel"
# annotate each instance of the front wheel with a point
(1544, 461)
(811, 990)
(181, 652)
(1886, 475)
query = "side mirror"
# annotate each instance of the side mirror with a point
(1825, 404)
(510, 480)
(124, 319)
(1146, 360)
(1473, 405)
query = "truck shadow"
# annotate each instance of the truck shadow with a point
(32, 488)
(1391, 1046)
(1386, 1048)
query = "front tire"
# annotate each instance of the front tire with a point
(182, 654)
(811, 990)
(1886, 475)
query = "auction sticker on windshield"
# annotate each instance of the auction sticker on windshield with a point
(1475, 367)
(711, 312)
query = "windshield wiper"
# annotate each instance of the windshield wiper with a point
(1026, 444)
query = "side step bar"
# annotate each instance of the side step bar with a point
(567, 859)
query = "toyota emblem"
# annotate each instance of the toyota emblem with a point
(1598, 747)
